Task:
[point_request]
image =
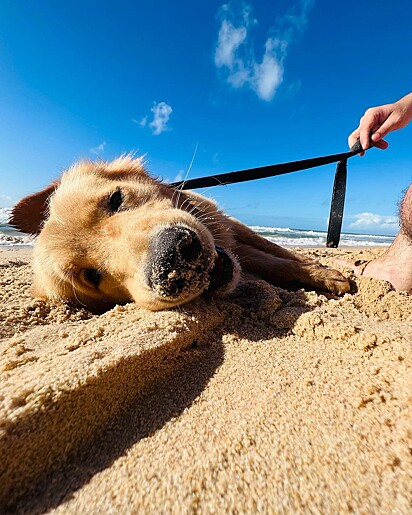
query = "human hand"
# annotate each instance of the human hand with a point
(377, 122)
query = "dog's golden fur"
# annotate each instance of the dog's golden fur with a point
(96, 227)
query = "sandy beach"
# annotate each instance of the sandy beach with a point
(266, 401)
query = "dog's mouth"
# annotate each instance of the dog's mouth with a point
(222, 272)
(182, 267)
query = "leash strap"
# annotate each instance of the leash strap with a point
(337, 204)
(339, 188)
(338, 199)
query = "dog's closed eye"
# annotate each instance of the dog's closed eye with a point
(115, 201)
(92, 276)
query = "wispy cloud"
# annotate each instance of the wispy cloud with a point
(97, 151)
(179, 176)
(140, 123)
(234, 52)
(161, 115)
(373, 221)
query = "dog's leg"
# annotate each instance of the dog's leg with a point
(291, 273)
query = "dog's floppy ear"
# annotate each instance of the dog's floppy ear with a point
(30, 213)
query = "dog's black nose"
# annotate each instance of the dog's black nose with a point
(175, 243)
(176, 254)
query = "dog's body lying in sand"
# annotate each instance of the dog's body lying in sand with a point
(110, 234)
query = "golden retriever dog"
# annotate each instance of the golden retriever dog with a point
(109, 233)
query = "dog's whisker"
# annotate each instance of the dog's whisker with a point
(75, 293)
(196, 212)
(202, 214)
(204, 190)
(207, 217)
(213, 223)
(191, 163)
(182, 310)
(187, 173)
(200, 203)
(174, 198)
(187, 201)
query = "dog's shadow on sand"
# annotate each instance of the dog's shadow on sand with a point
(183, 379)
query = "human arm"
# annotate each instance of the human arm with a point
(377, 122)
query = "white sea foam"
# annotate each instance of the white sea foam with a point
(10, 240)
(9, 236)
(5, 213)
(288, 237)
(321, 242)
(263, 228)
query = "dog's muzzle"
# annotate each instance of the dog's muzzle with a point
(180, 266)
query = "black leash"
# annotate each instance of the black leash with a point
(339, 187)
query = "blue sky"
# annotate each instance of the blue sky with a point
(246, 83)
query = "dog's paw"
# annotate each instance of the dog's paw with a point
(333, 281)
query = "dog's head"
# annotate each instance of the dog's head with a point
(108, 234)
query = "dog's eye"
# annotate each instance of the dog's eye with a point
(93, 276)
(115, 201)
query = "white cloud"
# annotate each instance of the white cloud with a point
(97, 151)
(268, 75)
(178, 177)
(161, 114)
(373, 221)
(234, 52)
(229, 40)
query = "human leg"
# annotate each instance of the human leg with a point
(395, 265)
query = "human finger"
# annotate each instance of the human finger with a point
(353, 138)
(367, 123)
(382, 144)
(390, 124)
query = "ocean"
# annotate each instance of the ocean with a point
(287, 237)
(10, 237)
(284, 236)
